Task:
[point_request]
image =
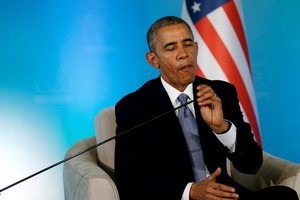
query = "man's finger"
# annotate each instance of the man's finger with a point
(215, 174)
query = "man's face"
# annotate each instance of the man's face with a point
(175, 53)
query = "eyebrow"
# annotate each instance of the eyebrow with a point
(172, 43)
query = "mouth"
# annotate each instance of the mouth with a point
(186, 67)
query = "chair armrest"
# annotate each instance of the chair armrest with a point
(83, 178)
(274, 171)
(277, 171)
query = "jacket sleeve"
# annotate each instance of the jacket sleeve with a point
(247, 157)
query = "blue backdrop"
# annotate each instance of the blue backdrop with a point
(63, 61)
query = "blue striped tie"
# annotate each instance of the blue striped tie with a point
(190, 130)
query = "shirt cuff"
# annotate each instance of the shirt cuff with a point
(228, 139)
(186, 192)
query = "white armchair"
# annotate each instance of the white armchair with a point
(90, 176)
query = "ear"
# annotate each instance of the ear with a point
(196, 44)
(151, 58)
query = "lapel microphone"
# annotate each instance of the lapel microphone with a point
(94, 146)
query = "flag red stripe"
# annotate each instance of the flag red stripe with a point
(225, 60)
(234, 17)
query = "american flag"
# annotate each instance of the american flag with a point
(223, 52)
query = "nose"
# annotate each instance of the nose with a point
(182, 53)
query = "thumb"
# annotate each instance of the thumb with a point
(215, 174)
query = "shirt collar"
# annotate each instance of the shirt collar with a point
(174, 93)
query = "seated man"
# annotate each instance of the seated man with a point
(182, 154)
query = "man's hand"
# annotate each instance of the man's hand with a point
(209, 189)
(211, 109)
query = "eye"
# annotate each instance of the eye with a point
(188, 43)
(170, 46)
(170, 49)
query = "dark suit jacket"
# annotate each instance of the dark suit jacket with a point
(152, 161)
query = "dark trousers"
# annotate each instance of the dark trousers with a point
(272, 193)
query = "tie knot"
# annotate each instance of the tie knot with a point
(182, 98)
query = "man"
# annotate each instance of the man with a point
(155, 161)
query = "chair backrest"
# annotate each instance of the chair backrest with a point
(105, 126)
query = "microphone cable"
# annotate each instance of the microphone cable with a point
(92, 147)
